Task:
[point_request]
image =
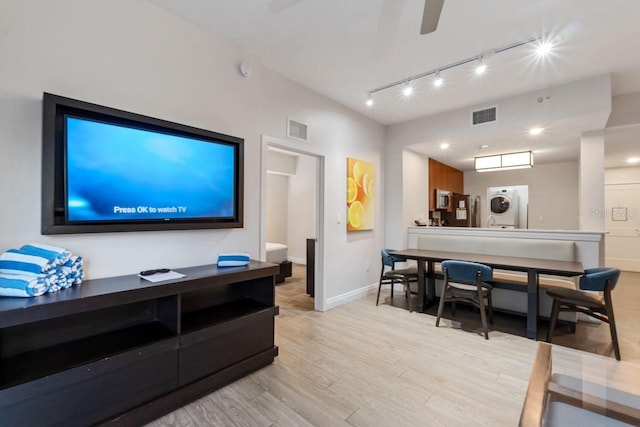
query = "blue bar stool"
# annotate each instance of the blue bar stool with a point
(598, 306)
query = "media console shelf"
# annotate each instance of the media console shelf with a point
(124, 351)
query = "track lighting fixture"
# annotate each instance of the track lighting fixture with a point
(542, 48)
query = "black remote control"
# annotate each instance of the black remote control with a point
(157, 270)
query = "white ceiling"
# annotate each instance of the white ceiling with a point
(345, 48)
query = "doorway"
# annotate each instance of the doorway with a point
(291, 216)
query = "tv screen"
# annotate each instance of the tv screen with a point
(109, 170)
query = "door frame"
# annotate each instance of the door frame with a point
(269, 141)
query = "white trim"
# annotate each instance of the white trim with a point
(320, 300)
(297, 260)
(339, 300)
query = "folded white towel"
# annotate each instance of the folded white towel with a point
(16, 285)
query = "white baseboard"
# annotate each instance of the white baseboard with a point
(297, 260)
(349, 296)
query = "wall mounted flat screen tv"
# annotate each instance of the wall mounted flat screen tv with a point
(108, 170)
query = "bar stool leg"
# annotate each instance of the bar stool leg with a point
(554, 318)
(612, 324)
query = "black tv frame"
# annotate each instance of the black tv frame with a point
(54, 221)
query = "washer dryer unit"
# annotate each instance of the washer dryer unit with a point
(504, 208)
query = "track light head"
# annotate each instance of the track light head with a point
(481, 67)
(544, 48)
(407, 89)
(437, 79)
(369, 101)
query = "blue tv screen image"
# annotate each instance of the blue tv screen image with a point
(120, 173)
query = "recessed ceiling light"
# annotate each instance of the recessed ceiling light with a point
(536, 131)
(633, 160)
(482, 147)
(444, 145)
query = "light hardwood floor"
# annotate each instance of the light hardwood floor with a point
(362, 365)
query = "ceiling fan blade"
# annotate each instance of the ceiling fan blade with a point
(431, 15)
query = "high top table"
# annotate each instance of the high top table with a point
(532, 266)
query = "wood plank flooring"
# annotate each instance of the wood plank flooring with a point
(362, 365)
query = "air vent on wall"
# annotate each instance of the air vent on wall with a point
(485, 115)
(296, 130)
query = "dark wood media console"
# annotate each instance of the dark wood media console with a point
(124, 351)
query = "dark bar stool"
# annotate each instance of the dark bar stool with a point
(598, 306)
(465, 281)
(392, 276)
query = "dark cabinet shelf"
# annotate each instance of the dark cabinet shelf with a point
(123, 351)
(226, 312)
(46, 361)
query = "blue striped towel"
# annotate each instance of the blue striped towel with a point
(15, 261)
(17, 285)
(233, 259)
(54, 254)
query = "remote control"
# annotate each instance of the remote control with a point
(157, 270)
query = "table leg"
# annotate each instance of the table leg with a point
(421, 287)
(532, 304)
(431, 283)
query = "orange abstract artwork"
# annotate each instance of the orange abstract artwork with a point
(360, 194)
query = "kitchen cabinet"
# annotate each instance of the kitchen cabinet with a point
(444, 177)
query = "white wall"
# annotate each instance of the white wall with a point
(590, 98)
(591, 188)
(301, 209)
(137, 57)
(335, 133)
(622, 241)
(277, 208)
(415, 198)
(625, 110)
(553, 193)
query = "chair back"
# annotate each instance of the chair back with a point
(466, 270)
(390, 260)
(595, 279)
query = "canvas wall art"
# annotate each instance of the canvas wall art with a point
(360, 195)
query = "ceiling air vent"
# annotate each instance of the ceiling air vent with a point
(486, 115)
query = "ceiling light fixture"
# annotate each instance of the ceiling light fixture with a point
(437, 79)
(369, 100)
(439, 70)
(544, 48)
(444, 145)
(633, 160)
(407, 90)
(500, 162)
(536, 131)
(481, 67)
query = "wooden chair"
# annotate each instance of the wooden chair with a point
(549, 402)
(598, 306)
(465, 281)
(392, 275)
